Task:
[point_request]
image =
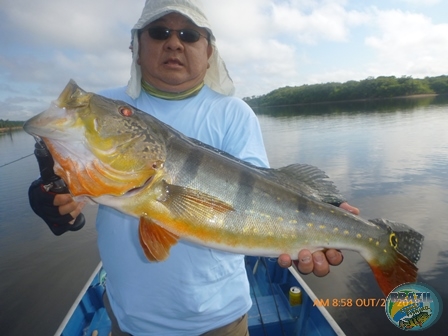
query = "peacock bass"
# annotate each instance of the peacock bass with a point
(180, 188)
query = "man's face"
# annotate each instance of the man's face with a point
(172, 65)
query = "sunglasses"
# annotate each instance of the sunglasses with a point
(185, 35)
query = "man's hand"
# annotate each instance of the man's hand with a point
(59, 211)
(67, 205)
(349, 208)
(318, 262)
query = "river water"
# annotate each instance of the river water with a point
(389, 158)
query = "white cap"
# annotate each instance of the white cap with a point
(217, 76)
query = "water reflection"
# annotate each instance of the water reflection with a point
(41, 274)
(365, 106)
(389, 158)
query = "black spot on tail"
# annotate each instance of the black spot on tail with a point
(409, 242)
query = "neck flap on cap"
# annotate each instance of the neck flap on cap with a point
(217, 76)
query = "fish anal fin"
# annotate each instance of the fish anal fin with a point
(389, 276)
(155, 240)
(190, 203)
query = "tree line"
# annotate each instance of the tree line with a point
(7, 124)
(369, 88)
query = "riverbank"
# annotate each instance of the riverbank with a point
(383, 87)
(9, 129)
(423, 95)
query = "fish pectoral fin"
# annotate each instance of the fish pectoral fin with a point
(155, 240)
(190, 203)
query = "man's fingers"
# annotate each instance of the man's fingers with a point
(68, 208)
(284, 260)
(318, 262)
(77, 211)
(349, 208)
(334, 257)
(305, 262)
(62, 199)
(67, 205)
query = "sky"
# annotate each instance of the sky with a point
(266, 44)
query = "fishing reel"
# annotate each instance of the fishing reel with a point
(52, 183)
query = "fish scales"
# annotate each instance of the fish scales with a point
(180, 188)
(256, 215)
(238, 190)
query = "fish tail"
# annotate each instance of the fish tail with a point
(399, 267)
(391, 275)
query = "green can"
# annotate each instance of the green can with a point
(295, 296)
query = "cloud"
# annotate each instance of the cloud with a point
(322, 21)
(253, 53)
(20, 107)
(82, 24)
(266, 44)
(408, 43)
(58, 67)
(421, 3)
(261, 65)
(262, 43)
(45, 43)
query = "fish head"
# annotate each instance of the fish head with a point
(100, 146)
(423, 317)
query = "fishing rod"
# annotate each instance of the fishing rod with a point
(13, 161)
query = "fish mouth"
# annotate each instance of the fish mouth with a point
(54, 123)
(134, 191)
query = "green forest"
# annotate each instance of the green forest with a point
(6, 125)
(370, 88)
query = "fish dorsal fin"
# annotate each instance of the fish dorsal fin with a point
(308, 180)
(155, 240)
(190, 204)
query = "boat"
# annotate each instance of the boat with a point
(282, 304)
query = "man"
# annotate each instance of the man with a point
(196, 291)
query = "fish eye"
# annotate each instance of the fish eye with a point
(126, 111)
(393, 240)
